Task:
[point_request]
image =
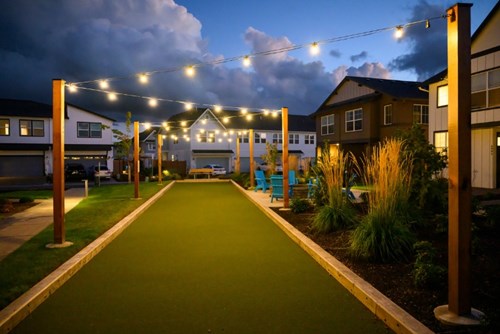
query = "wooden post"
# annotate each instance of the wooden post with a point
(251, 141)
(237, 165)
(286, 184)
(136, 160)
(159, 157)
(58, 103)
(459, 311)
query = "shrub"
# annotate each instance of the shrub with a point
(26, 199)
(243, 179)
(299, 205)
(426, 273)
(330, 218)
(384, 234)
(382, 238)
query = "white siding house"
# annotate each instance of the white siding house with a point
(485, 104)
(26, 138)
(205, 137)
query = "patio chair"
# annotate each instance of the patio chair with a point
(260, 179)
(292, 179)
(277, 187)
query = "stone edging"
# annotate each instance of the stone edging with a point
(20, 308)
(391, 314)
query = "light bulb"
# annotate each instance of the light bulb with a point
(314, 50)
(225, 120)
(249, 117)
(188, 106)
(217, 108)
(244, 111)
(143, 78)
(275, 114)
(190, 71)
(72, 88)
(183, 123)
(147, 126)
(112, 96)
(266, 112)
(153, 102)
(399, 32)
(103, 84)
(246, 61)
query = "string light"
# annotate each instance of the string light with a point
(188, 106)
(399, 32)
(72, 88)
(249, 117)
(143, 78)
(266, 112)
(314, 49)
(153, 102)
(244, 111)
(190, 71)
(103, 84)
(225, 120)
(183, 123)
(427, 24)
(217, 108)
(246, 61)
(275, 114)
(112, 96)
(147, 126)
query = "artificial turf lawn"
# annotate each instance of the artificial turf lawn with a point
(202, 259)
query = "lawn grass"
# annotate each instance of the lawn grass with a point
(94, 215)
(34, 194)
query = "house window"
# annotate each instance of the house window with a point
(89, 130)
(485, 88)
(151, 146)
(421, 114)
(260, 138)
(31, 128)
(388, 114)
(4, 127)
(243, 138)
(277, 138)
(293, 138)
(309, 139)
(441, 142)
(354, 120)
(207, 137)
(327, 123)
(442, 96)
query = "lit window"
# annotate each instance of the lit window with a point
(388, 114)
(441, 142)
(327, 124)
(4, 127)
(442, 96)
(354, 120)
(31, 128)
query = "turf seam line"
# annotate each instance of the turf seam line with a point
(385, 309)
(25, 304)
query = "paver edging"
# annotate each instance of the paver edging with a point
(20, 308)
(385, 309)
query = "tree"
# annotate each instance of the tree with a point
(271, 156)
(124, 144)
(427, 163)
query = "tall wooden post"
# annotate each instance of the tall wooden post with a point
(286, 184)
(237, 165)
(251, 141)
(58, 103)
(136, 160)
(459, 311)
(159, 157)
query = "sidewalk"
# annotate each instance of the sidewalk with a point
(20, 227)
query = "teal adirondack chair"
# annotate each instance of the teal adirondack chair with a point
(292, 180)
(277, 187)
(260, 179)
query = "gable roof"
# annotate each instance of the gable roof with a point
(486, 21)
(395, 88)
(27, 108)
(259, 121)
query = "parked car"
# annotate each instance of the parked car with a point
(74, 172)
(216, 169)
(265, 166)
(101, 171)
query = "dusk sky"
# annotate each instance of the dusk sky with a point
(80, 40)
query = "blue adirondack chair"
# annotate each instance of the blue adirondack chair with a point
(292, 181)
(260, 179)
(277, 187)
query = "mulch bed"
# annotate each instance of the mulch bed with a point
(395, 280)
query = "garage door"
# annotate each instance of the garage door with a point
(224, 162)
(26, 166)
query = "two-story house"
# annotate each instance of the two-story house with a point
(204, 136)
(361, 112)
(485, 104)
(26, 134)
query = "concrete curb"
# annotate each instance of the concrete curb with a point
(391, 314)
(20, 308)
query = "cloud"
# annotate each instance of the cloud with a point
(335, 53)
(359, 56)
(428, 52)
(372, 70)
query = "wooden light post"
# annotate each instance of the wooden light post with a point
(459, 311)
(136, 160)
(286, 185)
(250, 141)
(58, 104)
(159, 157)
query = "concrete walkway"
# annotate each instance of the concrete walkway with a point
(15, 230)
